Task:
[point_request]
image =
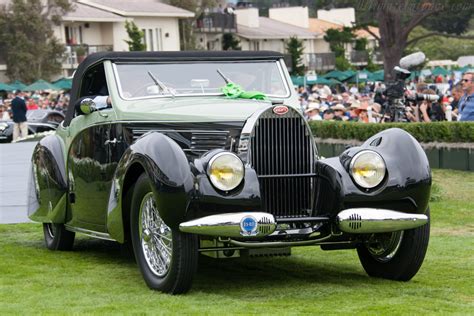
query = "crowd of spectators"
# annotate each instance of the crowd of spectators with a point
(367, 103)
(35, 100)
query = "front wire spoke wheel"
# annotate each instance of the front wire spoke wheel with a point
(157, 249)
(166, 257)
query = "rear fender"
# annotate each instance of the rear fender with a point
(47, 188)
(168, 169)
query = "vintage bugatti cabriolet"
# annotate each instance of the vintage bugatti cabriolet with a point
(208, 153)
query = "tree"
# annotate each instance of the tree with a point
(27, 42)
(136, 36)
(439, 47)
(230, 42)
(397, 19)
(187, 36)
(338, 39)
(295, 49)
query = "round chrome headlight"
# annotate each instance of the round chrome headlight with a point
(367, 169)
(225, 171)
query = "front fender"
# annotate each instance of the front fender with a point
(407, 184)
(168, 169)
(47, 188)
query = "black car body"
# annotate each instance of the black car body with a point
(174, 168)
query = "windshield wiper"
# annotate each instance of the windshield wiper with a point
(161, 85)
(227, 80)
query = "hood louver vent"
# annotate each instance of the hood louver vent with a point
(197, 142)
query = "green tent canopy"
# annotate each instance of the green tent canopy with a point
(300, 81)
(17, 85)
(326, 81)
(440, 71)
(338, 75)
(40, 85)
(63, 84)
(349, 73)
(466, 68)
(6, 87)
(367, 77)
(378, 75)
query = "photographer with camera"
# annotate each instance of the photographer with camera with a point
(396, 108)
(429, 110)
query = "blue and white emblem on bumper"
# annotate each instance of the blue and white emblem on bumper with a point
(248, 226)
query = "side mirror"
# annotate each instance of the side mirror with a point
(87, 106)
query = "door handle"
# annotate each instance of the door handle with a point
(113, 141)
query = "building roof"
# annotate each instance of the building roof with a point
(139, 8)
(321, 26)
(273, 29)
(364, 33)
(82, 12)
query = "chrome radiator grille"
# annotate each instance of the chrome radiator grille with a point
(281, 152)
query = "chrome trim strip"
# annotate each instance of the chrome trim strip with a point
(372, 220)
(90, 233)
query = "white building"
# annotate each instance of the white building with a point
(344, 16)
(253, 31)
(262, 33)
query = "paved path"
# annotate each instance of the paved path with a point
(15, 164)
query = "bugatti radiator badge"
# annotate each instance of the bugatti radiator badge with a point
(280, 110)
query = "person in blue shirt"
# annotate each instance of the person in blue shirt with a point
(466, 103)
(19, 109)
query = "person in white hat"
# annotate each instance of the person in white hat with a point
(312, 112)
(353, 114)
(339, 112)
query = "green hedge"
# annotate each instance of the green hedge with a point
(446, 132)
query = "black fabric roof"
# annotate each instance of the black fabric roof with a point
(181, 55)
(94, 59)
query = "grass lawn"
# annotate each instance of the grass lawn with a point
(97, 278)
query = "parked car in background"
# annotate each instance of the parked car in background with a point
(38, 121)
(208, 153)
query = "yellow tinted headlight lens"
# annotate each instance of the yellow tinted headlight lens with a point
(367, 169)
(226, 171)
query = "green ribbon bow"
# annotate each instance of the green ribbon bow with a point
(234, 91)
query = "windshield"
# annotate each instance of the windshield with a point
(198, 78)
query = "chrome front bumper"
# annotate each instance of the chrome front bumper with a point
(251, 224)
(372, 220)
(260, 224)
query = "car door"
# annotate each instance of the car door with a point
(90, 173)
(89, 164)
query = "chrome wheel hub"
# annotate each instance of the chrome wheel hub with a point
(383, 247)
(155, 237)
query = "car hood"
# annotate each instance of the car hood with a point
(190, 109)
